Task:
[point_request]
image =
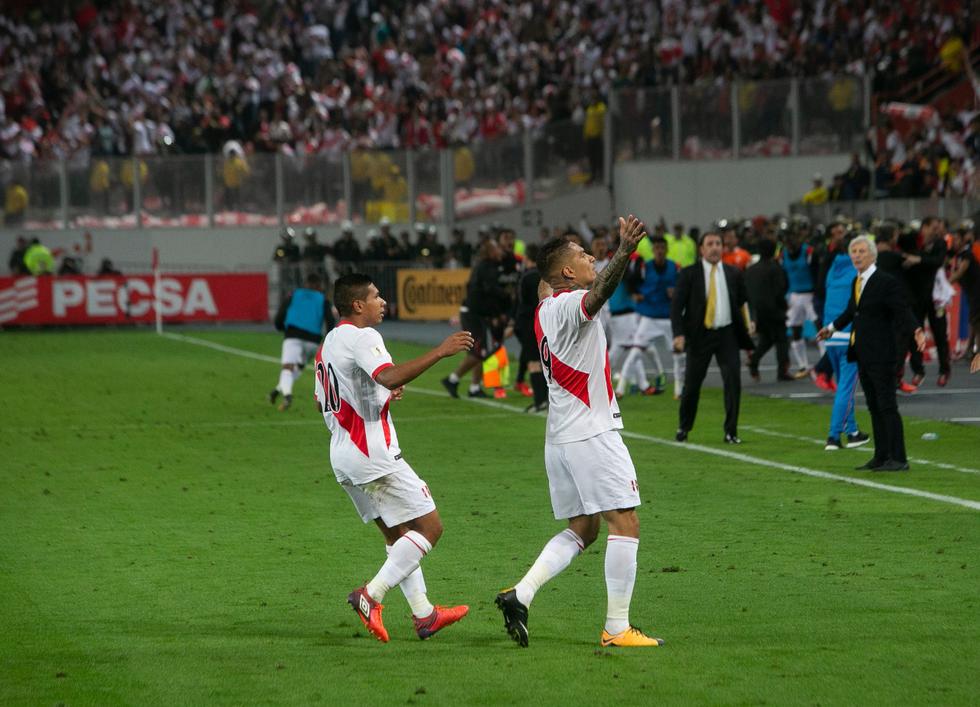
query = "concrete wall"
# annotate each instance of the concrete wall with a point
(699, 192)
(250, 249)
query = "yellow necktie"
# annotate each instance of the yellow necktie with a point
(857, 299)
(709, 311)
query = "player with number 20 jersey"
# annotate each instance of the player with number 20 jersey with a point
(356, 381)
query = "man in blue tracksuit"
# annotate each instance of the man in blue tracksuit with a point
(303, 317)
(840, 277)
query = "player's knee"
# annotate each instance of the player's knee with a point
(430, 526)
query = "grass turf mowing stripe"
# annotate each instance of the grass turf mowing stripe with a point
(813, 440)
(745, 458)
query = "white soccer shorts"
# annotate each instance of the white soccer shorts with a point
(298, 352)
(395, 498)
(591, 476)
(800, 310)
(622, 328)
(649, 330)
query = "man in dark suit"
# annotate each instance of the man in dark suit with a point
(708, 319)
(766, 285)
(878, 309)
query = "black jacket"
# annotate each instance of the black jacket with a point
(690, 300)
(766, 285)
(485, 297)
(880, 319)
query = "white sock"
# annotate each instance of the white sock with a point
(403, 559)
(822, 348)
(453, 378)
(620, 577)
(679, 362)
(557, 554)
(799, 353)
(285, 382)
(413, 587)
(474, 387)
(624, 374)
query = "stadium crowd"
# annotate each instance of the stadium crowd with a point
(142, 77)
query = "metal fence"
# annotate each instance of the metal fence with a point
(954, 209)
(704, 121)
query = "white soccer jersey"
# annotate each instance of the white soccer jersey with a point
(363, 443)
(573, 353)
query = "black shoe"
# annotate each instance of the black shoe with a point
(857, 439)
(732, 439)
(832, 444)
(534, 407)
(681, 436)
(892, 465)
(452, 388)
(515, 616)
(785, 377)
(754, 373)
(287, 400)
(273, 396)
(870, 465)
(478, 394)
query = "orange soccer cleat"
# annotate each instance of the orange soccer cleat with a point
(440, 617)
(369, 611)
(630, 638)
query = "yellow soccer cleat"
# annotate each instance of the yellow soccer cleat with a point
(630, 638)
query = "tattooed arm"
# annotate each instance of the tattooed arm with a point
(630, 234)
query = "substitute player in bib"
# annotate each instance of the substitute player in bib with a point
(303, 317)
(590, 473)
(356, 381)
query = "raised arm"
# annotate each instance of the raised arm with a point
(630, 234)
(398, 375)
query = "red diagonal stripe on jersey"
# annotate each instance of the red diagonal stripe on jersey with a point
(574, 381)
(609, 388)
(384, 423)
(354, 424)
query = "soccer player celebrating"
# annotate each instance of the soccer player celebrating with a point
(590, 473)
(356, 381)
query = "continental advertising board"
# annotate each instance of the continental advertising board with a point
(431, 294)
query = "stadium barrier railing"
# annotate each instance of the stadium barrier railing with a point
(703, 121)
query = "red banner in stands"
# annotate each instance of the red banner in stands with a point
(211, 297)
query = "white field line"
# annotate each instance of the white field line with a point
(830, 396)
(689, 446)
(801, 438)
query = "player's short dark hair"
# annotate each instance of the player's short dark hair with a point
(767, 249)
(551, 255)
(313, 281)
(349, 288)
(658, 240)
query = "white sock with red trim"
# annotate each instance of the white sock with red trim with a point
(413, 587)
(403, 559)
(557, 554)
(285, 382)
(620, 577)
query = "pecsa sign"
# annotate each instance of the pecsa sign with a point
(118, 300)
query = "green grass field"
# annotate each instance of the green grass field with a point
(168, 538)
